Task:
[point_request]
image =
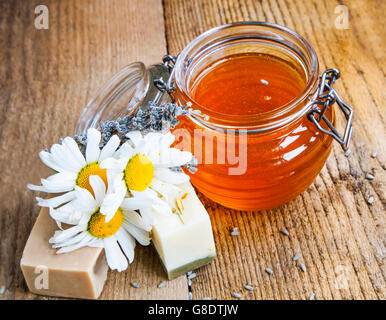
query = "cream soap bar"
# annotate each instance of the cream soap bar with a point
(78, 274)
(185, 243)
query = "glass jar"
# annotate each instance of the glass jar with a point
(247, 161)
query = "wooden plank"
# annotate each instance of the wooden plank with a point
(47, 76)
(341, 238)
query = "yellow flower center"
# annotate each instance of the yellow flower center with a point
(84, 174)
(99, 228)
(138, 173)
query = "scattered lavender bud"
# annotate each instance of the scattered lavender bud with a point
(369, 176)
(189, 273)
(312, 296)
(190, 296)
(189, 282)
(374, 154)
(192, 276)
(303, 267)
(236, 295)
(347, 153)
(296, 257)
(269, 271)
(161, 284)
(206, 298)
(285, 232)
(248, 287)
(235, 232)
(135, 285)
(2, 290)
(370, 200)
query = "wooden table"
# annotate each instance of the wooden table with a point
(47, 76)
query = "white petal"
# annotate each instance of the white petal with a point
(72, 147)
(110, 147)
(135, 137)
(46, 158)
(51, 188)
(170, 176)
(84, 200)
(147, 216)
(56, 201)
(75, 239)
(134, 218)
(99, 188)
(58, 186)
(36, 188)
(112, 201)
(140, 235)
(133, 203)
(62, 156)
(124, 151)
(174, 158)
(115, 258)
(114, 165)
(66, 214)
(62, 176)
(96, 243)
(167, 140)
(61, 236)
(127, 243)
(80, 244)
(92, 147)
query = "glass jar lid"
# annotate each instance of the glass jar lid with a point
(132, 87)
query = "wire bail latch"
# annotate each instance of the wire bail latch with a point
(326, 96)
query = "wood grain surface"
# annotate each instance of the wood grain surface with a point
(47, 76)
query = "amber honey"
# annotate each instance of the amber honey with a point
(248, 84)
(260, 92)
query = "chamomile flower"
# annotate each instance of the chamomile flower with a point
(145, 164)
(117, 236)
(73, 169)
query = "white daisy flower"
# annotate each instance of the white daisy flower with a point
(144, 163)
(117, 236)
(73, 169)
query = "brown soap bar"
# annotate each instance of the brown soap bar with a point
(77, 274)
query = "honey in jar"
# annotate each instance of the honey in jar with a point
(254, 94)
(248, 84)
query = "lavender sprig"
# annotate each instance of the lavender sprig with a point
(152, 118)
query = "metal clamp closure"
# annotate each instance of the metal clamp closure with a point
(325, 97)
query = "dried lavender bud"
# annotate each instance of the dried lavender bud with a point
(285, 232)
(192, 276)
(269, 271)
(235, 232)
(369, 176)
(296, 257)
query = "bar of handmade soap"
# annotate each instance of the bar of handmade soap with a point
(188, 244)
(77, 274)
